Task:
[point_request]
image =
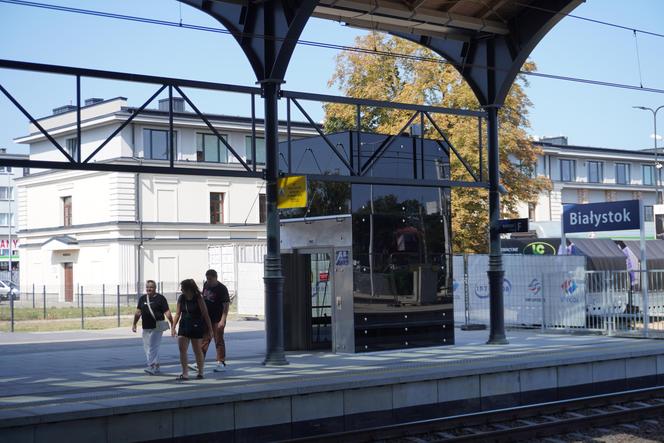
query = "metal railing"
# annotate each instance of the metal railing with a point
(44, 308)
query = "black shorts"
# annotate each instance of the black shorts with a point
(191, 328)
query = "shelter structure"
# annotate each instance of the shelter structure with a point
(487, 41)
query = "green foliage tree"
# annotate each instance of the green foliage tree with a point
(407, 80)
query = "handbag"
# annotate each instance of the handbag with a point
(162, 325)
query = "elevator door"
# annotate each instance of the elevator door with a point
(321, 300)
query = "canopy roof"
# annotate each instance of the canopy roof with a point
(487, 40)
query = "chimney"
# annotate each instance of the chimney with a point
(561, 140)
(178, 104)
(93, 101)
(3, 150)
(63, 109)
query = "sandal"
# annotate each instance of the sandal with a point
(181, 377)
(200, 377)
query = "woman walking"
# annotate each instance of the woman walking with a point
(152, 308)
(192, 315)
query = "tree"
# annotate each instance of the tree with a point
(409, 80)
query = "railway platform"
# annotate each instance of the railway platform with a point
(91, 386)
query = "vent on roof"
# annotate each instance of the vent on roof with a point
(178, 104)
(63, 109)
(561, 140)
(93, 101)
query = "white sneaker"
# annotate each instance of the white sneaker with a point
(193, 367)
(149, 370)
(221, 367)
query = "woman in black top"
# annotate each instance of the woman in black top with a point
(152, 307)
(192, 315)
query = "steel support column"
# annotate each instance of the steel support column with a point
(274, 280)
(495, 273)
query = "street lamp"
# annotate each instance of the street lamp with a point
(657, 165)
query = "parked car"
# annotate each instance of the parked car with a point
(8, 287)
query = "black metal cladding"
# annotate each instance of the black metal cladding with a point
(402, 272)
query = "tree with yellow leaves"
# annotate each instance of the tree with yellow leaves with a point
(419, 79)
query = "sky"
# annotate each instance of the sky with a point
(588, 115)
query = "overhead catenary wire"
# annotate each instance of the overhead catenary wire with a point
(352, 48)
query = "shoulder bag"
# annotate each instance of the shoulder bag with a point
(162, 325)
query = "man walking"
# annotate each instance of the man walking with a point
(217, 301)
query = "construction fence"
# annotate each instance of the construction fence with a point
(558, 293)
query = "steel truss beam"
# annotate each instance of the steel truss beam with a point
(123, 167)
(177, 84)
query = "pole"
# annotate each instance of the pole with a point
(33, 296)
(11, 309)
(103, 299)
(44, 295)
(495, 273)
(274, 281)
(80, 296)
(118, 306)
(644, 271)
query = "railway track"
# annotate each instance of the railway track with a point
(517, 423)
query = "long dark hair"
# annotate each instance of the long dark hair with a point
(189, 285)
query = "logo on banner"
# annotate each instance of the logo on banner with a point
(539, 248)
(535, 286)
(482, 289)
(569, 286)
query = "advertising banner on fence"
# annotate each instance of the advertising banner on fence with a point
(530, 289)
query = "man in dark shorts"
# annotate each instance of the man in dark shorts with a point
(217, 301)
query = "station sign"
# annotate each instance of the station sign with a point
(292, 192)
(609, 216)
(513, 225)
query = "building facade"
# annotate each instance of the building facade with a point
(85, 229)
(581, 174)
(9, 266)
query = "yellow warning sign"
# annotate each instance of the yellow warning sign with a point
(292, 192)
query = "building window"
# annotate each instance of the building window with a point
(262, 208)
(210, 149)
(595, 172)
(156, 144)
(5, 218)
(567, 170)
(260, 150)
(26, 172)
(531, 211)
(648, 175)
(5, 169)
(71, 146)
(6, 193)
(622, 173)
(66, 211)
(648, 214)
(216, 208)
